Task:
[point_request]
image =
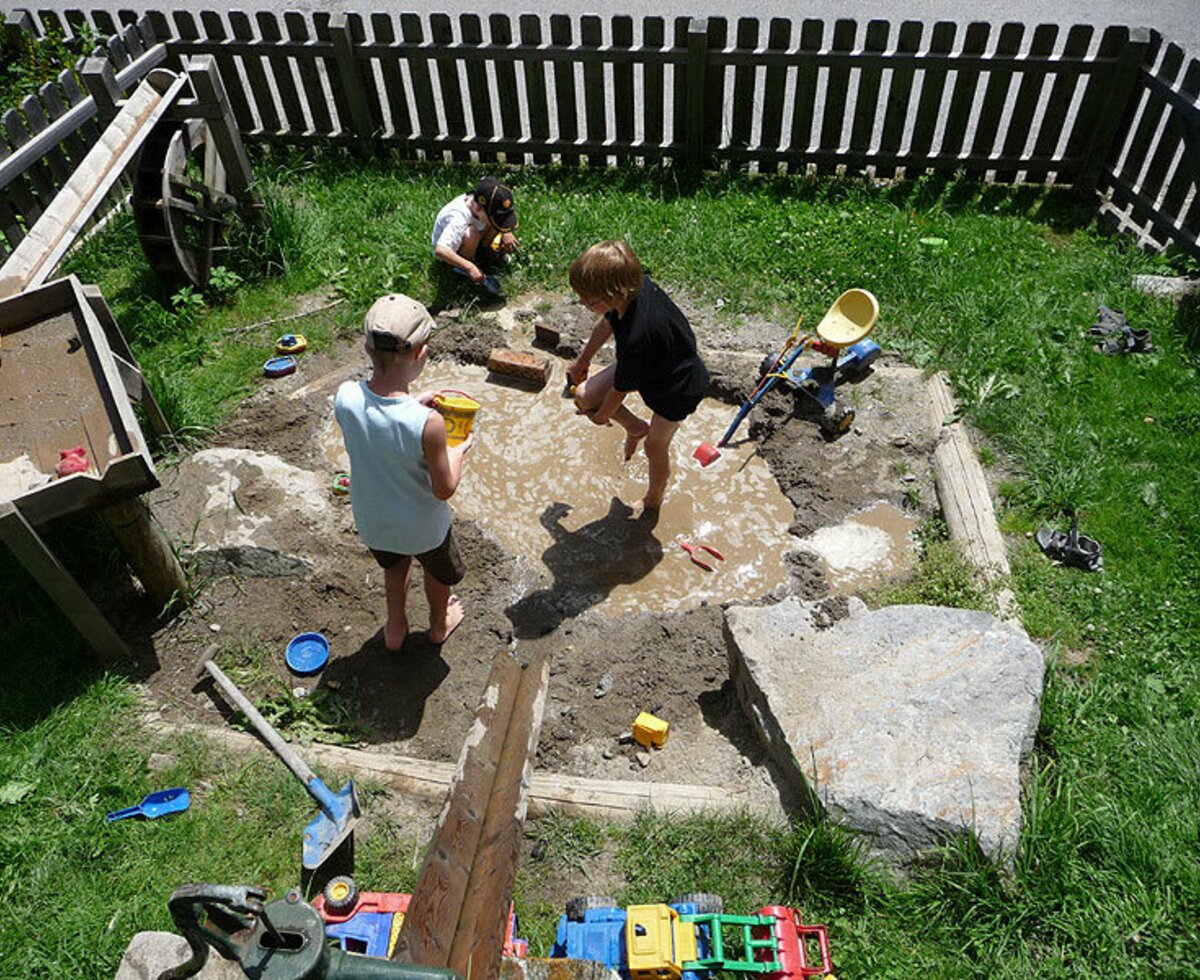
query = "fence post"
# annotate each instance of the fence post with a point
(1124, 87)
(101, 83)
(697, 60)
(210, 93)
(351, 80)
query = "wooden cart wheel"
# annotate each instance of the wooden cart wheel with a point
(180, 203)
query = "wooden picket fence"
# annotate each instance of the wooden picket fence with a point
(1116, 112)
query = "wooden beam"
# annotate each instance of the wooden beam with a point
(433, 916)
(147, 551)
(963, 492)
(484, 917)
(57, 582)
(420, 779)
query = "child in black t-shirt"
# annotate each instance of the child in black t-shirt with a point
(656, 357)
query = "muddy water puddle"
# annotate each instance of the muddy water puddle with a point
(554, 488)
(866, 549)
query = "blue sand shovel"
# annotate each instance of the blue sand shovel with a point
(339, 811)
(155, 805)
(490, 284)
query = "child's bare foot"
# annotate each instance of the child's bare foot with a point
(454, 616)
(393, 637)
(644, 510)
(631, 441)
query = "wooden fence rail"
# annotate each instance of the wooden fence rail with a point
(1095, 110)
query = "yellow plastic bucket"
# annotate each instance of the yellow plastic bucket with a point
(459, 410)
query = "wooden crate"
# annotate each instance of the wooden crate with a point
(61, 386)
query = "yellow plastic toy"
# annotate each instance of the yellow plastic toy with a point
(650, 731)
(658, 943)
(291, 343)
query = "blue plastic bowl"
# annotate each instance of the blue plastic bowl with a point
(307, 653)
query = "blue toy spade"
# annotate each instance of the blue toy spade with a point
(155, 805)
(339, 811)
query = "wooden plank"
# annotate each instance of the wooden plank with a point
(116, 52)
(103, 22)
(623, 98)
(1115, 105)
(214, 29)
(433, 915)
(550, 793)
(964, 495)
(296, 26)
(326, 62)
(682, 35)
(537, 102)
(714, 90)
(257, 87)
(866, 99)
(804, 97)
(88, 130)
(41, 181)
(281, 72)
(45, 569)
(1184, 129)
(895, 122)
(72, 145)
(933, 87)
(398, 119)
(1097, 85)
(10, 227)
(962, 98)
(478, 90)
(564, 89)
(507, 93)
(483, 921)
(696, 156)
(595, 96)
(1153, 113)
(349, 79)
(418, 68)
(1058, 103)
(133, 41)
(35, 115)
(995, 93)
(1033, 80)
(837, 85)
(744, 110)
(653, 38)
(442, 34)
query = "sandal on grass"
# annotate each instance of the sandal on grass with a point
(1123, 340)
(1072, 548)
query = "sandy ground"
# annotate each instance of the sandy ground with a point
(607, 665)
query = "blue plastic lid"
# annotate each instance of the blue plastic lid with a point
(307, 653)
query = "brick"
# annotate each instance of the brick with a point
(525, 366)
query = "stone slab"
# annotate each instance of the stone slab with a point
(910, 723)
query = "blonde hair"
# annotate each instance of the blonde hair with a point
(608, 271)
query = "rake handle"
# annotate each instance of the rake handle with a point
(263, 727)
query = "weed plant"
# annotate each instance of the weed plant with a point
(1107, 878)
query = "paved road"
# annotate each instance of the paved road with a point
(1178, 20)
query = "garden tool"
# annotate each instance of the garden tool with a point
(280, 940)
(339, 812)
(691, 549)
(155, 805)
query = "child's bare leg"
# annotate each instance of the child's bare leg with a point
(395, 589)
(590, 393)
(658, 446)
(445, 610)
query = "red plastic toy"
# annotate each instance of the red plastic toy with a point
(72, 461)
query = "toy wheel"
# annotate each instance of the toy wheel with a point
(582, 903)
(765, 365)
(340, 894)
(705, 902)
(837, 420)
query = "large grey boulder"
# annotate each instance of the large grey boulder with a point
(150, 953)
(910, 723)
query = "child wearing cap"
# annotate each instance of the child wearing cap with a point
(475, 227)
(656, 357)
(402, 470)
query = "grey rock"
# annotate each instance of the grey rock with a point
(149, 954)
(1167, 287)
(159, 761)
(643, 759)
(603, 686)
(909, 723)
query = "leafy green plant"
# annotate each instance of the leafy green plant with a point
(223, 284)
(28, 62)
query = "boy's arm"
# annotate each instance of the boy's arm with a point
(600, 334)
(445, 462)
(451, 257)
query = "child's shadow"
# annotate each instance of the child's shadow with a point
(586, 564)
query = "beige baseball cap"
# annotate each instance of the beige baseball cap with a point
(396, 322)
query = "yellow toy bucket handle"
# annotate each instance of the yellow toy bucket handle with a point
(850, 319)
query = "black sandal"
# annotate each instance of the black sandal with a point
(1072, 548)
(1121, 340)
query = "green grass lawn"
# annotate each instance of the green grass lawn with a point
(1107, 882)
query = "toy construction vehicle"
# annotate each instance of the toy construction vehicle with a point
(691, 938)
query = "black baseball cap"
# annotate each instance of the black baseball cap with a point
(496, 199)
